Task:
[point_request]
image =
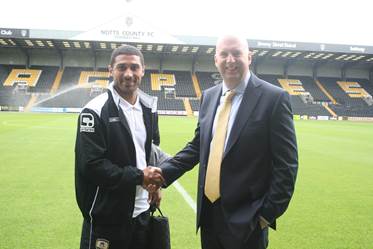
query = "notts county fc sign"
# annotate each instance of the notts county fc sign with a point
(127, 29)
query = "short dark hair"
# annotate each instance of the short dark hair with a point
(128, 50)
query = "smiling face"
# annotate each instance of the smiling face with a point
(232, 59)
(127, 71)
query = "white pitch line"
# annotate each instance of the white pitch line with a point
(185, 195)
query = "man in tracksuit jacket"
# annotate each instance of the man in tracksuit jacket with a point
(112, 151)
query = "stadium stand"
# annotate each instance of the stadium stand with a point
(196, 85)
(71, 76)
(188, 107)
(29, 77)
(310, 86)
(46, 79)
(77, 86)
(13, 100)
(195, 104)
(159, 80)
(58, 71)
(177, 91)
(13, 93)
(166, 102)
(57, 81)
(73, 98)
(184, 84)
(208, 79)
(301, 108)
(273, 79)
(306, 97)
(364, 83)
(353, 111)
(90, 84)
(94, 77)
(349, 96)
(330, 84)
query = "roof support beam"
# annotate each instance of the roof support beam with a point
(59, 52)
(27, 55)
(161, 63)
(315, 68)
(371, 75)
(195, 57)
(345, 67)
(287, 64)
(95, 60)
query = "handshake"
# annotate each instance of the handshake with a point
(153, 179)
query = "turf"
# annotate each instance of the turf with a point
(332, 206)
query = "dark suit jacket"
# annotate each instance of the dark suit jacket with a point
(260, 161)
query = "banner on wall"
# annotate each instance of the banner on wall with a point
(370, 119)
(333, 118)
(322, 117)
(14, 33)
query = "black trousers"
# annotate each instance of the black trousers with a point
(133, 236)
(215, 233)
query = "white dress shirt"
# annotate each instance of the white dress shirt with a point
(135, 120)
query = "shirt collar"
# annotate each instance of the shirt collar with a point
(125, 104)
(114, 93)
(240, 89)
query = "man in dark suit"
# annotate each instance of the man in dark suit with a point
(248, 163)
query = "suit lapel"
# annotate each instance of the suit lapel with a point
(249, 101)
(206, 122)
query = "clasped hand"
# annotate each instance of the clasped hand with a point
(153, 179)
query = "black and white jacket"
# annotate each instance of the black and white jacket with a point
(105, 160)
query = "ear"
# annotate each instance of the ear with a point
(110, 69)
(143, 71)
(215, 60)
(250, 57)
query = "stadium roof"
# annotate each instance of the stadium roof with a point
(132, 30)
(152, 41)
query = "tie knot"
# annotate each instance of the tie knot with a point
(229, 96)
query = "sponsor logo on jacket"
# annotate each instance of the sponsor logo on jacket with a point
(87, 122)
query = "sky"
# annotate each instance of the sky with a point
(319, 21)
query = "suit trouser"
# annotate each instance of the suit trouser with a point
(215, 233)
(118, 236)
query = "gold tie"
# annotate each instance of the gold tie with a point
(212, 183)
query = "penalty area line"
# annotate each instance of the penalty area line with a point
(185, 195)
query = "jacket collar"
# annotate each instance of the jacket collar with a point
(145, 99)
(240, 89)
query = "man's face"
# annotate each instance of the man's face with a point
(232, 59)
(127, 72)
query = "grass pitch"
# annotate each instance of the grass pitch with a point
(332, 206)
